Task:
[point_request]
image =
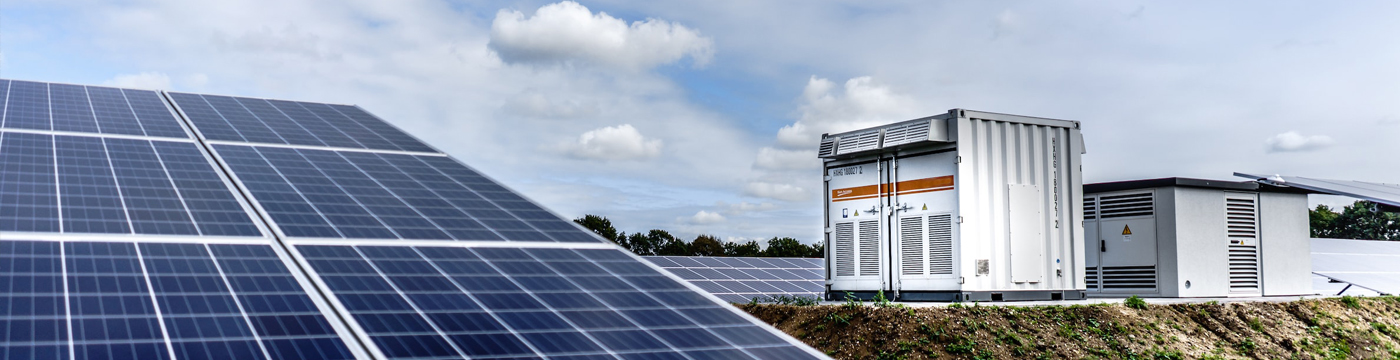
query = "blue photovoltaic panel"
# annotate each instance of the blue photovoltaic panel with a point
(91, 109)
(124, 300)
(36, 325)
(114, 185)
(110, 305)
(742, 279)
(365, 195)
(451, 302)
(28, 191)
(295, 123)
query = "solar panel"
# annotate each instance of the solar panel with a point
(83, 184)
(263, 121)
(364, 195)
(743, 279)
(87, 109)
(1388, 194)
(434, 301)
(153, 300)
(123, 237)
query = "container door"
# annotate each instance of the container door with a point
(1242, 231)
(855, 220)
(1127, 243)
(924, 201)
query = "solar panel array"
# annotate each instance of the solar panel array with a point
(293, 230)
(744, 279)
(1369, 264)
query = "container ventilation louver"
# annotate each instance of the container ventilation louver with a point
(908, 133)
(869, 248)
(911, 245)
(940, 250)
(845, 252)
(868, 140)
(828, 147)
(1116, 206)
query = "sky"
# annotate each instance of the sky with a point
(702, 117)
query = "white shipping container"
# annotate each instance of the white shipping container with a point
(960, 206)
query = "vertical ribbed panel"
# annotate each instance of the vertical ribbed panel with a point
(869, 238)
(996, 154)
(845, 249)
(940, 249)
(911, 245)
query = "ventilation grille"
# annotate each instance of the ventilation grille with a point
(940, 249)
(1116, 206)
(828, 147)
(1242, 228)
(1091, 278)
(905, 134)
(911, 245)
(859, 142)
(869, 248)
(845, 255)
(1127, 277)
(1091, 209)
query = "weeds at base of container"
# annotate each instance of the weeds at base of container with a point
(1135, 302)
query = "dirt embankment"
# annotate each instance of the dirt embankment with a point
(1338, 328)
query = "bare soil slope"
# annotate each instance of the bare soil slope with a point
(1338, 328)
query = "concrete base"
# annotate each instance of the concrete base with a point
(962, 296)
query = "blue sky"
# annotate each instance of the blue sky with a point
(700, 117)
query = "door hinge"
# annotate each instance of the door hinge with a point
(959, 219)
(958, 161)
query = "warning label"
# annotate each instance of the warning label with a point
(1127, 231)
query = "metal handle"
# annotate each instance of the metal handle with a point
(1103, 245)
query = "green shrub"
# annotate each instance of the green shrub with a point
(1135, 302)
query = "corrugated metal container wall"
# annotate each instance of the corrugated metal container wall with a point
(995, 157)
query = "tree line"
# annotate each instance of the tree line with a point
(1363, 220)
(661, 242)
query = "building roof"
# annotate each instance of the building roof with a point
(1185, 182)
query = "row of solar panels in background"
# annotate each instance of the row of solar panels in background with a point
(743, 279)
(1369, 264)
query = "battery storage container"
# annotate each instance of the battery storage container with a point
(960, 206)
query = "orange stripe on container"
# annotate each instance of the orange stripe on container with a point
(854, 192)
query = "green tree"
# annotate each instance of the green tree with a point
(650, 243)
(1361, 220)
(749, 249)
(600, 225)
(789, 247)
(669, 245)
(706, 245)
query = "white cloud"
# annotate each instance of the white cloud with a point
(144, 80)
(566, 31)
(622, 142)
(779, 159)
(744, 207)
(195, 81)
(535, 104)
(705, 217)
(1293, 141)
(860, 103)
(778, 191)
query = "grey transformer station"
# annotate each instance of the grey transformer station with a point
(979, 206)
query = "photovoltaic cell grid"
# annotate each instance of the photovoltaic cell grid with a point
(102, 300)
(1369, 264)
(81, 184)
(289, 122)
(91, 109)
(742, 279)
(453, 302)
(366, 195)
